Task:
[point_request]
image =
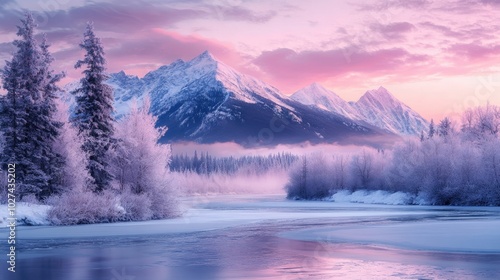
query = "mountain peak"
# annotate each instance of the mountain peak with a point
(316, 86)
(205, 56)
(315, 89)
(379, 93)
(317, 95)
(380, 108)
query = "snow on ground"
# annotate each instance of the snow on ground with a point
(26, 214)
(464, 236)
(375, 197)
(211, 213)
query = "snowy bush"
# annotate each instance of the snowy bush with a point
(164, 202)
(137, 206)
(86, 207)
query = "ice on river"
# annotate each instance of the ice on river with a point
(268, 237)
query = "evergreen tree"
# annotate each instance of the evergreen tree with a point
(444, 127)
(432, 130)
(94, 109)
(52, 162)
(27, 114)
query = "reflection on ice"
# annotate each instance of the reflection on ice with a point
(466, 236)
(246, 238)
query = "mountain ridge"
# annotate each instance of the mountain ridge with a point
(206, 101)
(377, 107)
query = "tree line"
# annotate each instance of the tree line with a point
(451, 164)
(207, 164)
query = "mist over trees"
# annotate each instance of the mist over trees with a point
(453, 165)
(207, 164)
(201, 173)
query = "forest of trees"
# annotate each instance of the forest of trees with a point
(206, 174)
(451, 164)
(207, 164)
(87, 165)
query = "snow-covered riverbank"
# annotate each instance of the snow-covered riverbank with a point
(204, 213)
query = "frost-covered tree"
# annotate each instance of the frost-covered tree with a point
(94, 109)
(432, 129)
(313, 177)
(73, 176)
(363, 168)
(51, 161)
(445, 127)
(297, 185)
(27, 114)
(482, 121)
(140, 166)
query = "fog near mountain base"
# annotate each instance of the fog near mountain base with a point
(235, 150)
(190, 183)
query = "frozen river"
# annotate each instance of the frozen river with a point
(267, 237)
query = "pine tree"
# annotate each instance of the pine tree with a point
(444, 127)
(94, 109)
(52, 162)
(432, 130)
(27, 114)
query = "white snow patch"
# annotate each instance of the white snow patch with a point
(26, 214)
(373, 197)
(295, 118)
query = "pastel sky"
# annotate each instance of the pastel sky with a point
(439, 57)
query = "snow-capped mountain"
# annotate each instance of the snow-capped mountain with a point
(206, 101)
(316, 95)
(377, 107)
(380, 108)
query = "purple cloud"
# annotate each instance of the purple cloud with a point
(238, 13)
(395, 30)
(475, 51)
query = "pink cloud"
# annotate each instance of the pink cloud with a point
(290, 69)
(159, 46)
